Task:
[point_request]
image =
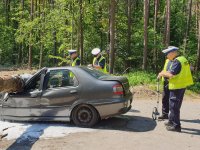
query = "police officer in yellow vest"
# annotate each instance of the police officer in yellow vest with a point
(165, 94)
(179, 77)
(75, 59)
(99, 62)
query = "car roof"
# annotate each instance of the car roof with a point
(39, 72)
(66, 67)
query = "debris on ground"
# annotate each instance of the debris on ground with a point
(143, 91)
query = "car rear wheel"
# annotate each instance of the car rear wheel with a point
(84, 116)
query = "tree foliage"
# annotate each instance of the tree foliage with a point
(55, 28)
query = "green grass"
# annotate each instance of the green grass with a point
(195, 88)
(149, 78)
(141, 78)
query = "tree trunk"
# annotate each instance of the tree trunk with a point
(52, 2)
(146, 18)
(198, 36)
(112, 35)
(30, 42)
(167, 31)
(36, 7)
(54, 47)
(155, 54)
(72, 25)
(41, 2)
(187, 26)
(128, 4)
(7, 9)
(100, 32)
(196, 19)
(81, 29)
(21, 46)
(129, 11)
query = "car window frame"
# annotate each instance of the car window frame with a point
(40, 74)
(47, 77)
(87, 70)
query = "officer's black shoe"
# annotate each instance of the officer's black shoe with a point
(172, 128)
(168, 123)
(163, 117)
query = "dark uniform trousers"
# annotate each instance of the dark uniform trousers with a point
(165, 100)
(175, 102)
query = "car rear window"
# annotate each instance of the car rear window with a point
(95, 73)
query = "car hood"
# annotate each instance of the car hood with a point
(121, 79)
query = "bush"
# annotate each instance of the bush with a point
(141, 78)
(149, 78)
(195, 87)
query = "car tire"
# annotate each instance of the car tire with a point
(84, 116)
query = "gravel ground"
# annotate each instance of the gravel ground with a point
(133, 130)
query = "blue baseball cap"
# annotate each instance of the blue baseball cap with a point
(170, 49)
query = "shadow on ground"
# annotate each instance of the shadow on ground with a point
(134, 111)
(191, 121)
(121, 123)
(30, 135)
(127, 123)
(190, 130)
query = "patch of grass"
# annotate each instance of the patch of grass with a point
(195, 87)
(149, 78)
(141, 78)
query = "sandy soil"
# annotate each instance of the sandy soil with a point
(134, 130)
(17, 72)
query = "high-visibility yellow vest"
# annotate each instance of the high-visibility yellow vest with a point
(165, 67)
(184, 78)
(74, 62)
(94, 60)
(105, 68)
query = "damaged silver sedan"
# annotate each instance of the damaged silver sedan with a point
(81, 94)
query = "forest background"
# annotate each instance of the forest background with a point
(130, 33)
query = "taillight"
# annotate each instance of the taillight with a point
(118, 89)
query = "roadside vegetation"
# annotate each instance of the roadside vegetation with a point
(149, 79)
(130, 33)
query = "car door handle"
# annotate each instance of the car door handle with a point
(73, 91)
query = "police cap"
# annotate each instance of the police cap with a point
(170, 49)
(96, 51)
(71, 51)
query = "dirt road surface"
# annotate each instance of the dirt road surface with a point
(133, 130)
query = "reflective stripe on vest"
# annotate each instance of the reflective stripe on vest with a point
(184, 78)
(94, 60)
(74, 62)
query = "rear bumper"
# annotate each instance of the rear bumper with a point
(115, 107)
